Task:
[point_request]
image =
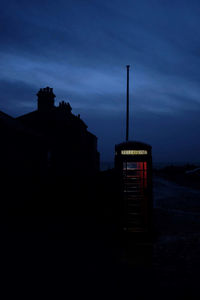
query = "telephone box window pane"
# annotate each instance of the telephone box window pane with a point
(133, 166)
(130, 166)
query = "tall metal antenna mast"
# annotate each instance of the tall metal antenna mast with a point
(127, 105)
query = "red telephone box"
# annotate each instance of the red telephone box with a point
(133, 163)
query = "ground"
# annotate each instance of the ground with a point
(66, 257)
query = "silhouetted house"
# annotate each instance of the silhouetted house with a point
(22, 151)
(70, 149)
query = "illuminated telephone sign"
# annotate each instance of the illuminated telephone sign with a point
(134, 152)
(133, 163)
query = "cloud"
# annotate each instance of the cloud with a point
(81, 48)
(16, 97)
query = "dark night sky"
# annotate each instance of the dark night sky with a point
(81, 48)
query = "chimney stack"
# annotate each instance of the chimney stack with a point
(45, 99)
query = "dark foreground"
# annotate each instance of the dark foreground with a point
(61, 240)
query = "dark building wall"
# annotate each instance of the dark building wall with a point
(21, 152)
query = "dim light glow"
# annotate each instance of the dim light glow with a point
(134, 152)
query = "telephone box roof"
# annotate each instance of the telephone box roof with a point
(133, 145)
